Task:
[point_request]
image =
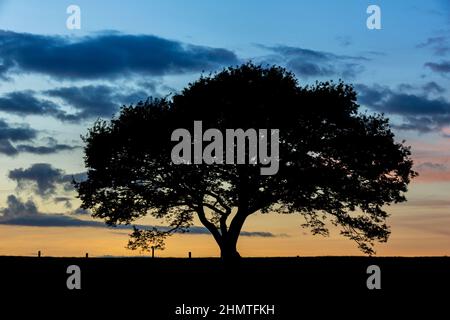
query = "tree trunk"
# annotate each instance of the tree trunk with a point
(227, 240)
(228, 250)
(228, 243)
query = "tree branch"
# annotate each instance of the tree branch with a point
(219, 200)
(208, 225)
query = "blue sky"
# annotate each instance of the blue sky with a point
(55, 82)
(332, 26)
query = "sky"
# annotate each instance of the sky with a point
(55, 82)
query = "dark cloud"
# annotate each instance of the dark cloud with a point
(89, 101)
(43, 179)
(419, 111)
(21, 213)
(310, 63)
(440, 45)
(44, 149)
(94, 101)
(384, 99)
(262, 234)
(7, 148)
(25, 103)
(26, 213)
(42, 176)
(425, 89)
(16, 133)
(10, 133)
(372, 95)
(50, 220)
(105, 55)
(52, 147)
(409, 104)
(17, 208)
(203, 230)
(442, 67)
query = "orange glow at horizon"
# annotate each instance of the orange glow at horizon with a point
(412, 235)
(420, 227)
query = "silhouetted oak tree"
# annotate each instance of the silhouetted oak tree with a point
(336, 163)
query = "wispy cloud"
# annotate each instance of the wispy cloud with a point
(86, 102)
(26, 213)
(440, 45)
(442, 67)
(93, 101)
(19, 138)
(440, 167)
(48, 149)
(312, 63)
(420, 112)
(435, 224)
(26, 103)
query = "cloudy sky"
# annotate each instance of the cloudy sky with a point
(55, 82)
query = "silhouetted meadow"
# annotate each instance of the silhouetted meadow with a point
(297, 286)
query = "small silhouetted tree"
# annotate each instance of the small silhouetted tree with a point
(336, 163)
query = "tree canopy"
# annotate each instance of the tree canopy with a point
(336, 163)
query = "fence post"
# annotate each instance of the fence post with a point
(87, 255)
(153, 252)
(39, 253)
(190, 255)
